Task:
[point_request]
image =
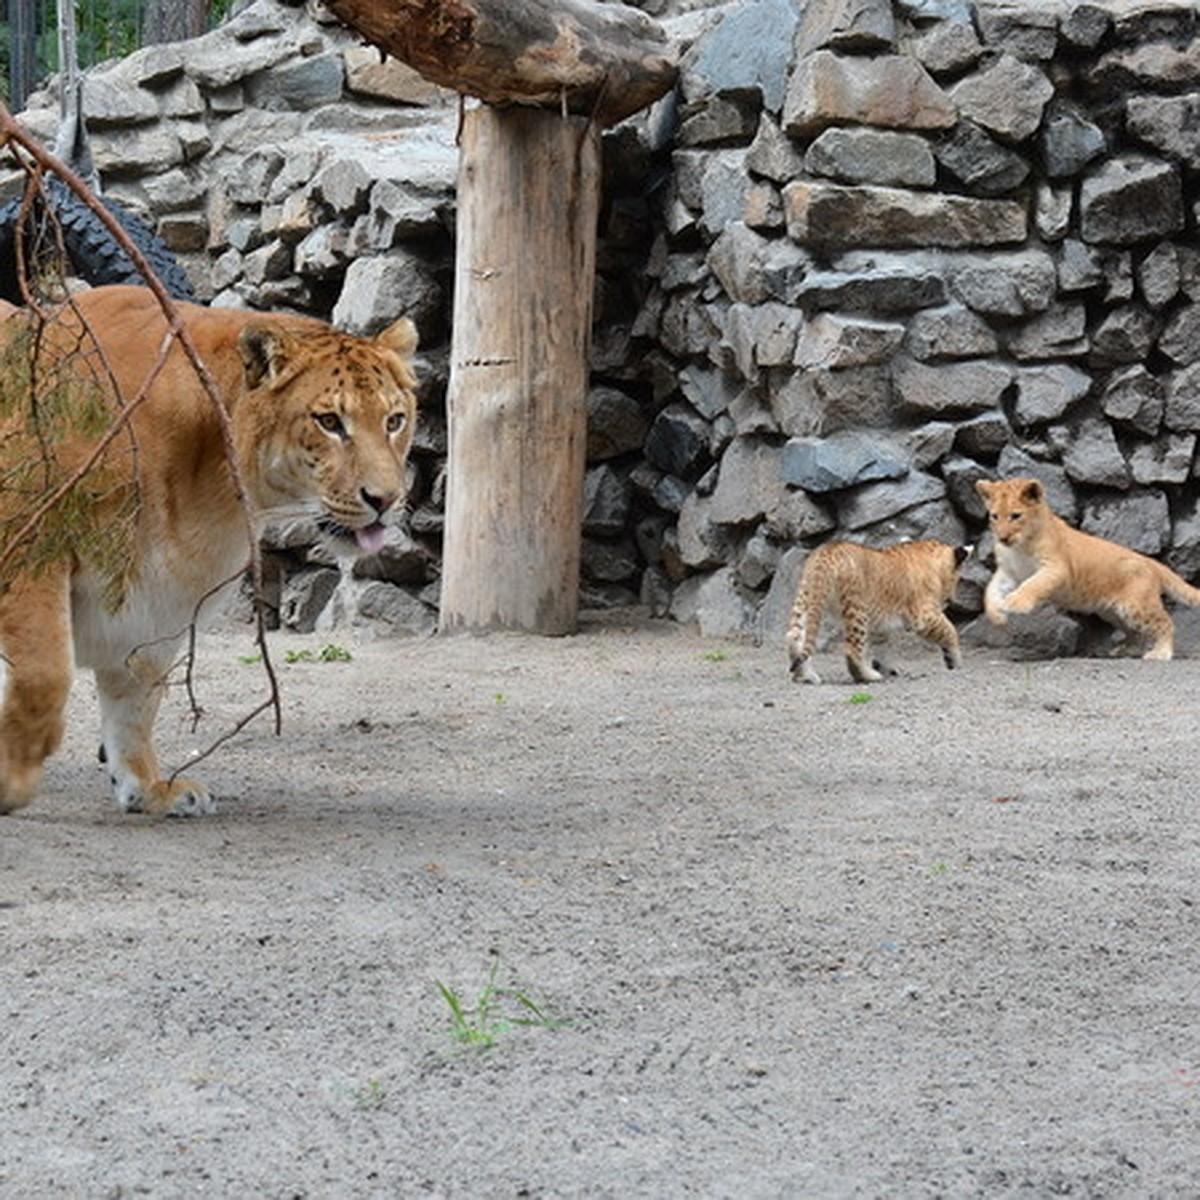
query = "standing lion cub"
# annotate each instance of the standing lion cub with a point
(1040, 558)
(112, 577)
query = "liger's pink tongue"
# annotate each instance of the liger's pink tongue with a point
(370, 538)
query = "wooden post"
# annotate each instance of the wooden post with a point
(558, 71)
(528, 199)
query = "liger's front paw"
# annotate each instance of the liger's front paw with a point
(179, 797)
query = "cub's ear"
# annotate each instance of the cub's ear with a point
(399, 337)
(1033, 492)
(984, 487)
(962, 553)
(266, 350)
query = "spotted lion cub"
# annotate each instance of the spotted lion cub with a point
(911, 581)
(1040, 558)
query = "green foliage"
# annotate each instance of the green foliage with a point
(56, 503)
(327, 653)
(104, 29)
(371, 1095)
(860, 698)
(495, 1011)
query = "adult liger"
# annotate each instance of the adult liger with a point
(1042, 559)
(321, 426)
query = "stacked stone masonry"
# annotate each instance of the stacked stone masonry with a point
(870, 252)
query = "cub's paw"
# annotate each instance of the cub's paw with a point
(863, 672)
(803, 672)
(179, 797)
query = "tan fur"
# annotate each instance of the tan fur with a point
(1041, 559)
(912, 582)
(322, 423)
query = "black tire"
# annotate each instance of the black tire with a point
(93, 254)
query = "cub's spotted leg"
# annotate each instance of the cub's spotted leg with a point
(936, 627)
(35, 630)
(129, 700)
(856, 625)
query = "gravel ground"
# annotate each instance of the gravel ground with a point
(934, 937)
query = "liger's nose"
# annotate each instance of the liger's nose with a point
(380, 503)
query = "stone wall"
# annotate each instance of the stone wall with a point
(949, 241)
(869, 253)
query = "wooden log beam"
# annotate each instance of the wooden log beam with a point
(603, 61)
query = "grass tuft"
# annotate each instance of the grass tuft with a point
(495, 1011)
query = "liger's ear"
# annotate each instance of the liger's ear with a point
(962, 553)
(984, 487)
(399, 337)
(265, 351)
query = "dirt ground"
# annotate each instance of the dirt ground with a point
(934, 937)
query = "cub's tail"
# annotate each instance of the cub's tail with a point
(1176, 586)
(805, 621)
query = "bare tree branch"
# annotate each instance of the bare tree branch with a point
(22, 144)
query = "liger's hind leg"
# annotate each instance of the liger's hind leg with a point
(35, 631)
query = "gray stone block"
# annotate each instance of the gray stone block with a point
(840, 461)
(1140, 520)
(872, 156)
(1131, 198)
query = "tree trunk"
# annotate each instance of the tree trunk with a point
(600, 60)
(528, 198)
(173, 20)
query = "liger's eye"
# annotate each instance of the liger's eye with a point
(330, 422)
(395, 422)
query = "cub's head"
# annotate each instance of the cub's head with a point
(326, 423)
(1017, 509)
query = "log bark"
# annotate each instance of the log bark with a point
(529, 193)
(605, 61)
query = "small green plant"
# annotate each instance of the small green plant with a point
(499, 699)
(327, 653)
(715, 656)
(940, 868)
(370, 1095)
(860, 698)
(250, 658)
(495, 1011)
